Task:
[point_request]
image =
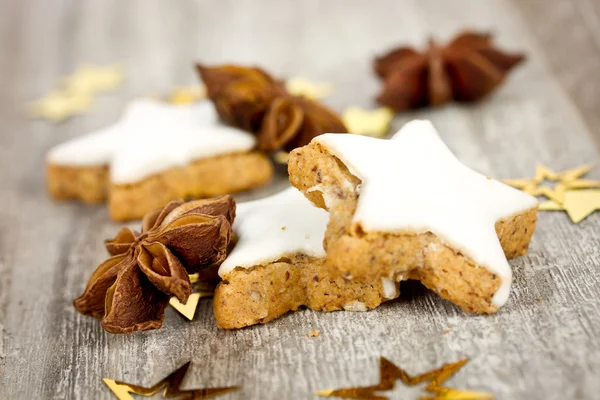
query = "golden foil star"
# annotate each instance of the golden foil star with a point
(57, 106)
(171, 386)
(303, 87)
(281, 157)
(578, 204)
(389, 373)
(565, 180)
(90, 79)
(187, 95)
(188, 309)
(374, 123)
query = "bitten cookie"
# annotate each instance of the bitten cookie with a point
(155, 153)
(278, 265)
(406, 208)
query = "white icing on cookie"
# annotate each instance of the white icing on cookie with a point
(151, 137)
(413, 182)
(275, 226)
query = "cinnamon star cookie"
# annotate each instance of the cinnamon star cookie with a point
(155, 153)
(278, 265)
(406, 208)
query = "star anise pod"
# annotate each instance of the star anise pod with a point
(130, 290)
(251, 99)
(465, 70)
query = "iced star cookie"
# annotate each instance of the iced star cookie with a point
(406, 208)
(278, 265)
(155, 153)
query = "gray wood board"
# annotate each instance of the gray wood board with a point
(546, 112)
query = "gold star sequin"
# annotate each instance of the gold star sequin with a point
(75, 93)
(57, 106)
(187, 95)
(171, 386)
(569, 193)
(389, 373)
(375, 123)
(188, 309)
(281, 157)
(565, 180)
(578, 204)
(304, 87)
(91, 79)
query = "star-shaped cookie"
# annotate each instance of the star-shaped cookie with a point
(278, 265)
(405, 207)
(155, 153)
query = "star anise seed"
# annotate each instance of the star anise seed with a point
(465, 70)
(130, 290)
(251, 99)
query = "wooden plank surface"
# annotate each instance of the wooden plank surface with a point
(547, 112)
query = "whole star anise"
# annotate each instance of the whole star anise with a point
(130, 290)
(465, 70)
(251, 99)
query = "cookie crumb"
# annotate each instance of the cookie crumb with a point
(283, 228)
(445, 331)
(450, 326)
(539, 299)
(355, 306)
(314, 333)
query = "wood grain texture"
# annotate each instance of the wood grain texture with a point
(546, 112)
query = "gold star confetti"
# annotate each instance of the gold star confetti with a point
(455, 394)
(375, 123)
(194, 278)
(389, 373)
(281, 157)
(171, 386)
(578, 204)
(187, 95)
(57, 106)
(188, 309)
(75, 94)
(550, 205)
(565, 180)
(303, 87)
(91, 79)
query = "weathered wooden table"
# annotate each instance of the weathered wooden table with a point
(547, 112)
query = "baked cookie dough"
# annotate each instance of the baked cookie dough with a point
(278, 265)
(156, 153)
(406, 208)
